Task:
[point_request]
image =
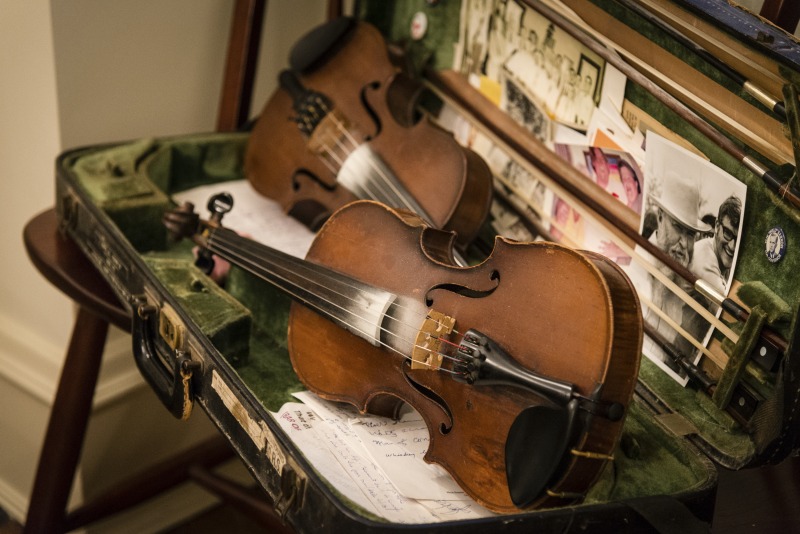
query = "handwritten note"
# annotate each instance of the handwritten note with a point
(254, 215)
(298, 422)
(344, 442)
(398, 448)
(345, 446)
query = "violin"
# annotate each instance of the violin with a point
(343, 126)
(522, 367)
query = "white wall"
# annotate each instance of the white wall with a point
(80, 72)
(34, 317)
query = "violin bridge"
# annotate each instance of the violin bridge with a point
(426, 353)
(332, 140)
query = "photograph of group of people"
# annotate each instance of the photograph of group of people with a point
(542, 72)
(614, 171)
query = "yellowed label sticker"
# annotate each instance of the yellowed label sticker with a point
(257, 430)
(237, 409)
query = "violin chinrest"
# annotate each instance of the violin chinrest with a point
(535, 446)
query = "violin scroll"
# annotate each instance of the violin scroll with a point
(183, 222)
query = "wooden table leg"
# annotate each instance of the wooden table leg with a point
(67, 426)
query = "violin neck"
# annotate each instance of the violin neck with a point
(355, 306)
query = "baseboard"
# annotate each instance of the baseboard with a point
(13, 502)
(28, 360)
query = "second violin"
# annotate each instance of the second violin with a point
(342, 127)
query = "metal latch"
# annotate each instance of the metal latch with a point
(169, 374)
(171, 328)
(292, 491)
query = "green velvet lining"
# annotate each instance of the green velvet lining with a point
(758, 294)
(114, 183)
(269, 375)
(716, 429)
(223, 319)
(184, 163)
(663, 464)
(436, 47)
(129, 181)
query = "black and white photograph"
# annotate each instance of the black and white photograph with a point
(693, 212)
(474, 32)
(563, 76)
(525, 111)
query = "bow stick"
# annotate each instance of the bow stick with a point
(760, 94)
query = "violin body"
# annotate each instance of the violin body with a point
(450, 183)
(556, 311)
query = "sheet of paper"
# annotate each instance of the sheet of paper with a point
(614, 82)
(345, 446)
(606, 132)
(398, 448)
(298, 421)
(254, 215)
(348, 448)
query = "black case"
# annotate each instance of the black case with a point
(110, 200)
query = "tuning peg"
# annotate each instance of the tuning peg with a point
(219, 205)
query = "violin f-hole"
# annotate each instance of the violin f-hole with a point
(376, 120)
(297, 184)
(465, 291)
(444, 428)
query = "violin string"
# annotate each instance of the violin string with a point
(326, 111)
(388, 181)
(388, 331)
(326, 149)
(276, 256)
(223, 249)
(331, 167)
(380, 189)
(322, 273)
(389, 185)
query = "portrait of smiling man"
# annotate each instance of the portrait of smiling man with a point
(713, 256)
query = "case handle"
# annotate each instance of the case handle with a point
(172, 386)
